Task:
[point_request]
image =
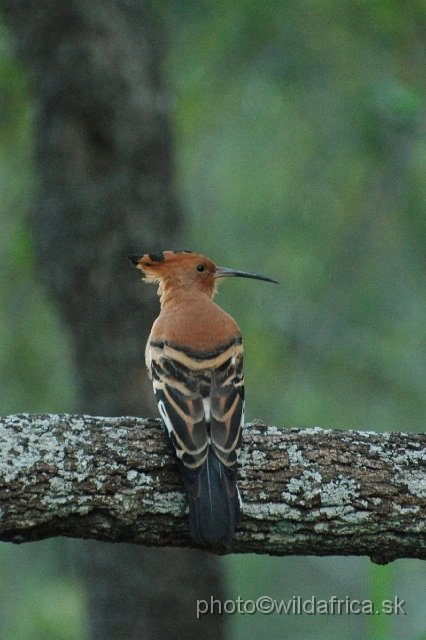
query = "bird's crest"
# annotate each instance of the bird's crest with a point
(175, 271)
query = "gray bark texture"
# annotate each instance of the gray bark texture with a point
(304, 491)
(104, 162)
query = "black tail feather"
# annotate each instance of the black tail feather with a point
(214, 502)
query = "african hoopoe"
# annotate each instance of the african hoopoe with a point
(194, 356)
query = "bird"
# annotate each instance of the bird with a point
(194, 356)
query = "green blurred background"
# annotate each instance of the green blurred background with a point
(300, 133)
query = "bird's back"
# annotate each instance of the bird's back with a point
(195, 356)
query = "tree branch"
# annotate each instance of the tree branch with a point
(305, 491)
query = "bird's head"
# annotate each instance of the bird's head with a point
(185, 271)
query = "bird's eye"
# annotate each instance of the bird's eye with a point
(200, 267)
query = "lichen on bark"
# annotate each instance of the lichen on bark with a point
(305, 491)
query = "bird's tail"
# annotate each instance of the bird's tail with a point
(214, 501)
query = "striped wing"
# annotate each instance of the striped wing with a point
(200, 398)
(227, 407)
(178, 393)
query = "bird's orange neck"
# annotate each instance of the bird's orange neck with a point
(176, 294)
(193, 321)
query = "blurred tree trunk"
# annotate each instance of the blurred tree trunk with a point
(104, 161)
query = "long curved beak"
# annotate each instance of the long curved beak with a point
(224, 272)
